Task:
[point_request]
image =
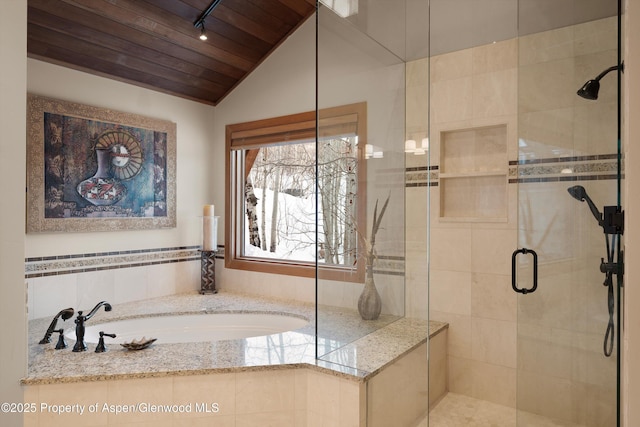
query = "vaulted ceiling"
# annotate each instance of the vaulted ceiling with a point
(154, 44)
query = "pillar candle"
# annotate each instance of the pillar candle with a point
(208, 210)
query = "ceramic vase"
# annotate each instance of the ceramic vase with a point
(102, 189)
(369, 302)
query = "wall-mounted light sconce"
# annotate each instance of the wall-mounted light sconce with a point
(410, 147)
(424, 147)
(199, 23)
(373, 151)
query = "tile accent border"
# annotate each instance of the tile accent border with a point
(390, 265)
(573, 168)
(81, 263)
(552, 169)
(421, 176)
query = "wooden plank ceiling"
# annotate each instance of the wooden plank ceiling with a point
(154, 44)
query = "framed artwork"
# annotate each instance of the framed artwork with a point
(95, 169)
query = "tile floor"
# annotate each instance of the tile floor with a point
(456, 410)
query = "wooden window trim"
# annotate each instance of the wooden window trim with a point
(333, 121)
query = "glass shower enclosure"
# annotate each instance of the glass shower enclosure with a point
(517, 264)
(379, 225)
(504, 215)
(361, 218)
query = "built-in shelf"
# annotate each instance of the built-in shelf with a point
(474, 174)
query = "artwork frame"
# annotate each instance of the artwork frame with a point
(94, 169)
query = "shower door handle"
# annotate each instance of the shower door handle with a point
(514, 283)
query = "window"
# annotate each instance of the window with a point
(271, 194)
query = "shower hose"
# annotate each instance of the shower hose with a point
(608, 282)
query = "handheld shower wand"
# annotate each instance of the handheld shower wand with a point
(611, 222)
(579, 193)
(65, 314)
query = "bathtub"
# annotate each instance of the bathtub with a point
(189, 328)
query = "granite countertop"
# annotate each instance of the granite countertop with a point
(354, 349)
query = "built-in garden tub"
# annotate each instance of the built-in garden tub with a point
(195, 327)
(268, 378)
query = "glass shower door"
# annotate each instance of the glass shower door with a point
(566, 268)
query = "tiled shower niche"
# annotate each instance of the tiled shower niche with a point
(474, 174)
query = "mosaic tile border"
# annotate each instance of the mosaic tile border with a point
(421, 176)
(390, 265)
(572, 168)
(552, 169)
(81, 263)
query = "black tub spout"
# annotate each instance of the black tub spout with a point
(80, 345)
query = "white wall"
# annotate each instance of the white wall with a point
(281, 85)
(350, 71)
(13, 54)
(193, 176)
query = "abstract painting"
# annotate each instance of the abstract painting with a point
(94, 169)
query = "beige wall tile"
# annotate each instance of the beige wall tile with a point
(206, 390)
(495, 94)
(494, 383)
(450, 249)
(156, 423)
(438, 368)
(266, 419)
(494, 341)
(32, 396)
(450, 292)
(417, 73)
(596, 36)
(323, 396)
(543, 86)
(268, 391)
(492, 297)
(458, 333)
(398, 395)
(491, 250)
(137, 391)
(501, 55)
(547, 130)
(350, 396)
(451, 66)
(460, 375)
(82, 394)
(546, 46)
(451, 100)
(220, 421)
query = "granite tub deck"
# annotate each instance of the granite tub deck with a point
(383, 341)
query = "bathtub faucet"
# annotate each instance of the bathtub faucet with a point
(80, 345)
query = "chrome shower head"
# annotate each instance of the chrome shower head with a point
(591, 88)
(579, 193)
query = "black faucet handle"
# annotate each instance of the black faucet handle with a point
(61, 343)
(101, 348)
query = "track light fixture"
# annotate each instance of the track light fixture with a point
(203, 33)
(199, 23)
